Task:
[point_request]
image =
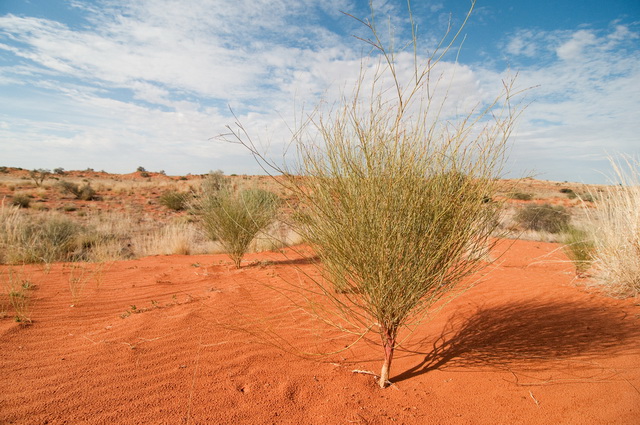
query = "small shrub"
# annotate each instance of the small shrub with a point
(587, 197)
(569, 192)
(174, 200)
(16, 287)
(59, 171)
(235, 218)
(69, 208)
(579, 248)
(4, 169)
(141, 169)
(521, 196)
(21, 200)
(39, 176)
(543, 217)
(144, 174)
(214, 182)
(84, 193)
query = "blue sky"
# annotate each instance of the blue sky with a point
(117, 84)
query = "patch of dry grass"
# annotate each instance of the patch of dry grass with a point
(614, 227)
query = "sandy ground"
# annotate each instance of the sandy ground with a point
(159, 341)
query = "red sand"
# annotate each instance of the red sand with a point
(524, 346)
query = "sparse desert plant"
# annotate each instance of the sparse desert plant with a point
(4, 169)
(214, 182)
(234, 218)
(39, 176)
(615, 230)
(80, 274)
(83, 193)
(569, 192)
(546, 217)
(579, 248)
(521, 196)
(393, 196)
(588, 197)
(59, 171)
(17, 287)
(175, 200)
(21, 200)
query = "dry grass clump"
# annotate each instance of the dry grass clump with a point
(177, 201)
(22, 200)
(15, 293)
(36, 239)
(178, 238)
(615, 231)
(579, 248)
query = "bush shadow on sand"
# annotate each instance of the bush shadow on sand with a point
(527, 331)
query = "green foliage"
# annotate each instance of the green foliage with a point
(235, 218)
(175, 200)
(579, 248)
(4, 169)
(520, 196)
(548, 218)
(21, 200)
(141, 169)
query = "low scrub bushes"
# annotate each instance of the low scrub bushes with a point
(548, 218)
(520, 196)
(84, 193)
(175, 200)
(44, 240)
(21, 200)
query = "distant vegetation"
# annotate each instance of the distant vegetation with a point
(548, 218)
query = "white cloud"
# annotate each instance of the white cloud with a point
(574, 48)
(585, 103)
(151, 80)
